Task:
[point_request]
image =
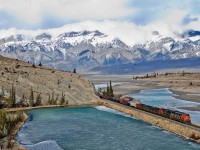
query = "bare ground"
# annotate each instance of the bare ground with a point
(44, 81)
(186, 87)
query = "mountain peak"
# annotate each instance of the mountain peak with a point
(43, 36)
(155, 33)
(87, 49)
(81, 33)
(190, 33)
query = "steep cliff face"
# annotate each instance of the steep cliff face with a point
(44, 81)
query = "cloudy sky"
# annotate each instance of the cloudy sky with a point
(136, 16)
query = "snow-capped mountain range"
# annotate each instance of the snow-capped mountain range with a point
(88, 49)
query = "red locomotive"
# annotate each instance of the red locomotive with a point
(171, 114)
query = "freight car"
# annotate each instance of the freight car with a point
(134, 102)
(115, 99)
(126, 100)
(151, 109)
(171, 114)
(167, 113)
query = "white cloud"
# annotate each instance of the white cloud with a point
(195, 25)
(126, 31)
(32, 11)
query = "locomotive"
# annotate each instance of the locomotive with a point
(167, 113)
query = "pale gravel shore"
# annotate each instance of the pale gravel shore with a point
(178, 85)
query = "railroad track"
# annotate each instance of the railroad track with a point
(192, 126)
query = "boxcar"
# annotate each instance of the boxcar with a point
(126, 100)
(139, 106)
(116, 99)
(133, 103)
(151, 109)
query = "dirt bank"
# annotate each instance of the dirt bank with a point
(172, 126)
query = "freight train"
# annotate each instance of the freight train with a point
(167, 113)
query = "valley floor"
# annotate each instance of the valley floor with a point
(185, 87)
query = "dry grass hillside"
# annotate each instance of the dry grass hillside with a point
(23, 76)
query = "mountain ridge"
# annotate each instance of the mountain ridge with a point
(86, 50)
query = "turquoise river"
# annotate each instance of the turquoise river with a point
(94, 128)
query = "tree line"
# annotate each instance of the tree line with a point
(33, 100)
(109, 90)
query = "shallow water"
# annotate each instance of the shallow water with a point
(164, 98)
(92, 128)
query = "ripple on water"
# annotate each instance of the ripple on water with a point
(44, 145)
(94, 128)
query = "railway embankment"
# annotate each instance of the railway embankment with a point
(188, 131)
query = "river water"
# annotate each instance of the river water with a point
(164, 98)
(95, 128)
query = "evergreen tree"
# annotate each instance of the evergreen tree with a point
(38, 100)
(58, 82)
(40, 64)
(111, 90)
(56, 100)
(10, 102)
(154, 75)
(13, 96)
(104, 93)
(62, 100)
(183, 73)
(2, 91)
(33, 65)
(31, 99)
(52, 98)
(22, 99)
(66, 102)
(74, 71)
(108, 90)
(2, 123)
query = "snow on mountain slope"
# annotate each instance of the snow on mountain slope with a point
(89, 49)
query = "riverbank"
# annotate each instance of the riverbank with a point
(9, 142)
(51, 106)
(179, 85)
(160, 122)
(175, 127)
(16, 129)
(18, 126)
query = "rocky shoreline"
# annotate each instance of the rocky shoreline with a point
(164, 123)
(15, 144)
(9, 142)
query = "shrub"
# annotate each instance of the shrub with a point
(33, 65)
